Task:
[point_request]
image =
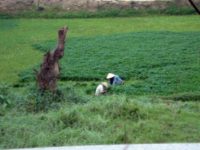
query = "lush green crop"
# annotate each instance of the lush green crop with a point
(18, 35)
(150, 62)
(158, 57)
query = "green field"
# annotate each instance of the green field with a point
(157, 56)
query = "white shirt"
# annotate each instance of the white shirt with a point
(99, 90)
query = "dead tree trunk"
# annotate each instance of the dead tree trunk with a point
(49, 69)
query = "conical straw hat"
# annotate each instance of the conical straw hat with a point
(105, 84)
(110, 75)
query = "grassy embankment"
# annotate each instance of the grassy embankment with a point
(52, 13)
(159, 102)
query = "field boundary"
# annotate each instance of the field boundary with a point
(174, 146)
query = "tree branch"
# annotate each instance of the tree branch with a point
(194, 6)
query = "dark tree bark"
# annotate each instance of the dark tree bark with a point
(49, 69)
(194, 6)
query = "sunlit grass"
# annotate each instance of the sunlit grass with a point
(18, 35)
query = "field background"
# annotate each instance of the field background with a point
(158, 57)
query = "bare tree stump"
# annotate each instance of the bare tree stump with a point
(49, 69)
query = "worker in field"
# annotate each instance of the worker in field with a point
(114, 79)
(101, 89)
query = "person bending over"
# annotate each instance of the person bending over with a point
(101, 89)
(114, 79)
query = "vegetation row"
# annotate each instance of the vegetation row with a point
(149, 62)
(54, 13)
